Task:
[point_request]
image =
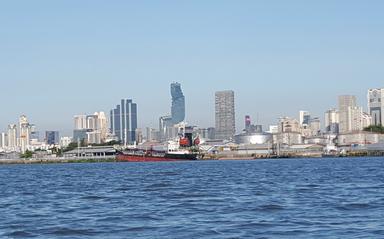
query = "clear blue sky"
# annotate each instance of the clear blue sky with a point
(61, 58)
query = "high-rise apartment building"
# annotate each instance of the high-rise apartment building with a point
(332, 121)
(358, 120)
(178, 103)
(376, 106)
(345, 102)
(80, 122)
(12, 137)
(225, 114)
(91, 128)
(123, 120)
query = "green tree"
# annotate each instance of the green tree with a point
(28, 154)
(375, 129)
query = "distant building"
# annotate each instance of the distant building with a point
(81, 135)
(178, 103)
(357, 119)
(24, 133)
(273, 129)
(332, 121)
(366, 120)
(3, 140)
(123, 120)
(35, 135)
(80, 122)
(225, 115)
(248, 123)
(376, 106)
(12, 137)
(289, 125)
(165, 125)
(345, 102)
(91, 128)
(304, 117)
(315, 126)
(139, 136)
(211, 133)
(250, 128)
(52, 137)
(151, 135)
(65, 141)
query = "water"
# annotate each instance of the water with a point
(306, 198)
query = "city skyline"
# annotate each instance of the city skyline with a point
(53, 67)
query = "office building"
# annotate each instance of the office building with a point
(178, 103)
(123, 120)
(376, 105)
(332, 121)
(345, 102)
(52, 137)
(304, 117)
(225, 115)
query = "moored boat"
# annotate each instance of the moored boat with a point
(178, 150)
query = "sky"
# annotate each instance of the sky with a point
(67, 57)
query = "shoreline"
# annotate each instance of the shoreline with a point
(113, 160)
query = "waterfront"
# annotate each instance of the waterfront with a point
(284, 198)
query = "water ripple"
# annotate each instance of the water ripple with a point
(306, 198)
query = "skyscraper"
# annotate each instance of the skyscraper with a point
(12, 137)
(24, 133)
(178, 103)
(332, 121)
(225, 114)
(123, 120)
(345, 102)
(376, 106)
(80, 122)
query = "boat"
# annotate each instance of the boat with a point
(183, 149)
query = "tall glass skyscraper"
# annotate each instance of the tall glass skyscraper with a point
(178, 103)
(124, 121)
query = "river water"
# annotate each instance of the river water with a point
(284, 198)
